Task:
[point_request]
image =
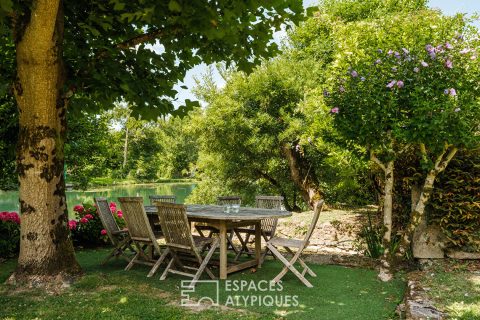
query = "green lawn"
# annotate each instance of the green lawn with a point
(110, 293)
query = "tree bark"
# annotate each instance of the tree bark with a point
(418, 212)
(125, 148)
(385, 273)
(302, 176)
(46, 250)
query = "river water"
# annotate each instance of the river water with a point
(9, 199)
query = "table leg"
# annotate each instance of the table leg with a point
(223, 250)
(258, 243)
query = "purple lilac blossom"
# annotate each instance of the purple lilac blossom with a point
(390, 52)
(400, 84)
(446, 91)
(429, 48)
(362, 79)
(380, 51)
(464, 51)
(391, 84)
(342, 89)
(453, 92)
(405, 51)
(397, 55)
(448, 64)
(416, 70)
(432, 55)
(424, 64)
(335, 110)
(378, 61)
(354, 73)
(448, 46)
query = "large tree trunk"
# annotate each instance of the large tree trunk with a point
(302, 176)
(46, 250)
(418, 208)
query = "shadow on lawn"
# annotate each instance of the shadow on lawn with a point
(338, 293)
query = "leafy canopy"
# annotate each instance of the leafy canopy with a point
(137, 51)
(410, 78)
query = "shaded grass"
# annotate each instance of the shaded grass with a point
(454, 288)
(110, 293)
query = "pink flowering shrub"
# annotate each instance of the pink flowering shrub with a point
(87, 228)
(9, 234)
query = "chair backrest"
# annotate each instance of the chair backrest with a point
(163, 198)
(137, 221)
(269, 202)
(106, 216)
(229, 200)
(175, 226)
(316, 214)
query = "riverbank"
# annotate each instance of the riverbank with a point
(108, 181)
(181, 190)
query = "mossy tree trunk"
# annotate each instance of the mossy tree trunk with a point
(418, 208)
(46, 250)
(302, 175)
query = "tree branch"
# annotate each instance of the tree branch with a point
(374, 158)
(141, 38)
(440, 166)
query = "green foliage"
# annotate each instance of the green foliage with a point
(137, 51)
(8, 138)
(179, 149)
(88, 150)
(371, 235)
(398, 93)
(249, 121)
(455, 204)
(354, 10)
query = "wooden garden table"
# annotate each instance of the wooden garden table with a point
(214, 216)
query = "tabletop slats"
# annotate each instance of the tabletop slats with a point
(216, 213)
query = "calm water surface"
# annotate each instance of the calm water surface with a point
(9, 199)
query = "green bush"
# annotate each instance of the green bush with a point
(455, 204)
(9, 234)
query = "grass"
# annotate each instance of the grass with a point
(454, 288)
(109, 293)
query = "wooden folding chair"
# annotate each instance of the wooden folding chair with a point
(181, 242)
(141, 234)
(203, 227)
(268, 226)
(154, 222)
(300, 245)
(119, 238)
